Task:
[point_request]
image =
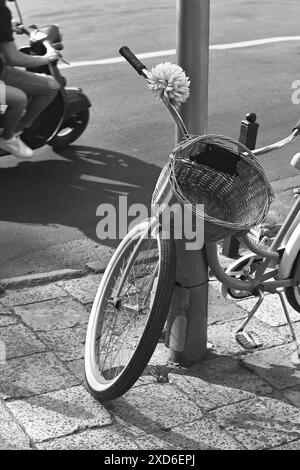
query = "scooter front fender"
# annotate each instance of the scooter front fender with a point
(76, 101)
(290, 253)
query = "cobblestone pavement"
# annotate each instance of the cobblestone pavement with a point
(231, 400)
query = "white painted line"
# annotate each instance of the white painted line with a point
(254, 42)
(116, 60)
(170, 52)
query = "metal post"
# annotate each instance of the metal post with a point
(193, 56)
(187, 322)
(248, 136)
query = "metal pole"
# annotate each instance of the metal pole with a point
(187, 321)
(193, 56)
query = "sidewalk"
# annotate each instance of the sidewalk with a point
(232, 400)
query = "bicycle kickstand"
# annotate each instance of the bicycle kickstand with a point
(295, 359)
(250, 340)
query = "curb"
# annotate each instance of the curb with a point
(286, 184)
(30, 280)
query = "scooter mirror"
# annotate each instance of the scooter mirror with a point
(18, 10)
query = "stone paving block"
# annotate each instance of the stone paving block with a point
(83, 289)
(270, 311)
(154, 407)
(77, 368)
(203, 434)
(59, 413)
(295, 445)
(222, 336)
(274, 366)
(5, 310)
(293, 395)
(285, 330)
(53, 314)
(259, 423)
(159, 441)
(218, 382)
(20, 341)
(12, 436)
(67, 344)
(6, 320)
(220, 309)
(31, 375)
(32, 294)
(105, 438)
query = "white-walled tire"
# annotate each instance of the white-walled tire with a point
(123, 331)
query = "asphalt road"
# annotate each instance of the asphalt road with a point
(48, 211)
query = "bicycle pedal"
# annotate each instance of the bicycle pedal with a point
(248, 340)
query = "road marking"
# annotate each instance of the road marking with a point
(170, 52)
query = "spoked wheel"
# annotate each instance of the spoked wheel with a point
(129, 312)
(293, 293)
(241, 269)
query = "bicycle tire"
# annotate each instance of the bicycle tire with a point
(292, 293)
(101, 384)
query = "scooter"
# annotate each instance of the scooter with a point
(66, 118)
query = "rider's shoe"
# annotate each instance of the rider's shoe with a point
(16, 147)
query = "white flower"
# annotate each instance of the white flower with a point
(169, 80)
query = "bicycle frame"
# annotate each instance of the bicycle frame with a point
(288, 235)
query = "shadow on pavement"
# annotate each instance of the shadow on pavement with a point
(68, 191)
(230, 374)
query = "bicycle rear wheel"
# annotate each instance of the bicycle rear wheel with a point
(129, 312)
(293, 293)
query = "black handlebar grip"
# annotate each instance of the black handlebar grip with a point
(133, 60)
(297, 126)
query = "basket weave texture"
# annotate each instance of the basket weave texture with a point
(224, 176)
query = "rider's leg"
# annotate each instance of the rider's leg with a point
(16, 102)
(42, 90)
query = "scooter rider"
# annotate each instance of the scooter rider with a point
(24, 90)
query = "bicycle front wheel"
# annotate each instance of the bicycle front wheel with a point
(129, 311)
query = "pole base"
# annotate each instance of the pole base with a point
(176, 358)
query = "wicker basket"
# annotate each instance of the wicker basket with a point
(224, 176)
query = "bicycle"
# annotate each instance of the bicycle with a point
(133, 299)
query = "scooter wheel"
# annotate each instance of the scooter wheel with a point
(71, 129)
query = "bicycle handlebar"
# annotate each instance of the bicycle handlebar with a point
(133, 60)
(277, 145)
(141, 69)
